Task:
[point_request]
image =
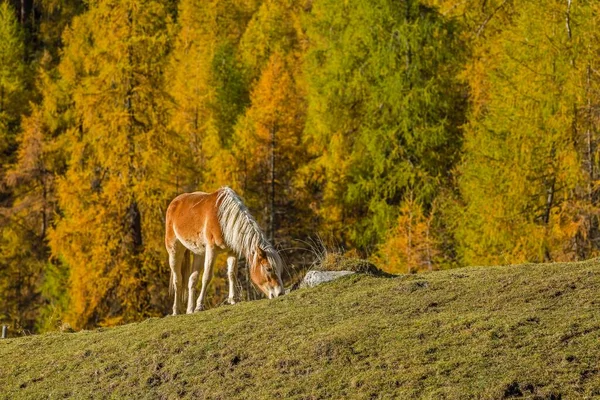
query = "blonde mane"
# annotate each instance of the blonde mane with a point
(241, 231)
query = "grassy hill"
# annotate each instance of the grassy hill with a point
(529, 331)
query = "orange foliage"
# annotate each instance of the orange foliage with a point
(410, 245)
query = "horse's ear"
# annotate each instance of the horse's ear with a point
(262, 253)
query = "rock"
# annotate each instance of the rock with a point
(314, 278)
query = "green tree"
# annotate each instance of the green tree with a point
(529, 143)
(384, 110)
(13, 85)
(275, 27)
(25, 253)
(21, 246)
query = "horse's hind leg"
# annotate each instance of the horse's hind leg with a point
(197, 263)
(176, 254)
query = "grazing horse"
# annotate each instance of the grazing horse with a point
(207, 224)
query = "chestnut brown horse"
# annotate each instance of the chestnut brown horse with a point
(207, 224)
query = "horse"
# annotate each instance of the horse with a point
(207, 224)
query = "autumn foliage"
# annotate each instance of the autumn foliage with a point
(421, 134)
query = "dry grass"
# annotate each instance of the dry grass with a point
(345, 262)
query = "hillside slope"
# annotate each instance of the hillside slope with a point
(494, 332)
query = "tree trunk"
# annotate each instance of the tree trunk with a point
(134, 216)
(271, 234)
(26, 8)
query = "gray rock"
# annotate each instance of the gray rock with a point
(314, 278)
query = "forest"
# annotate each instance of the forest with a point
(420, 134)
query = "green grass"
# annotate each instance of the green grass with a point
(489, 333)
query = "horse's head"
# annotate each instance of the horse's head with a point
(265, 272)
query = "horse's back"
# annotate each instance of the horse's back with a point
(185, 202)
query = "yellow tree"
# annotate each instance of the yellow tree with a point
(24, 248)
(521, 176)
(581, 27)
(267, 147)
(275, 27)
(116, 188)
(410, 245)
(208, 87)
(267, 155)
(210, 91)
(52, 17)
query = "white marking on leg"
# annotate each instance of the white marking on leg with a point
(232, 277)
(206, 276)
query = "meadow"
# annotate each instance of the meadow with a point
(523, 331)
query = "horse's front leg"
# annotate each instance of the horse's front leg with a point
(206, 276)
(232, 277)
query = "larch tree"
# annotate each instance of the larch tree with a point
(53, 16)
(13, 75)
(115, 191)
(410, 245)
(208, 87)
(384, 111)
(581, 22)
(210, 91)
(20, 253)
(268, 147)
(266, 144)
(41, 159)
(521, 171)
(34, 286)
(25, 252)
(274, 27)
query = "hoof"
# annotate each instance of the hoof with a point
(199, 309)
(231, 302)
